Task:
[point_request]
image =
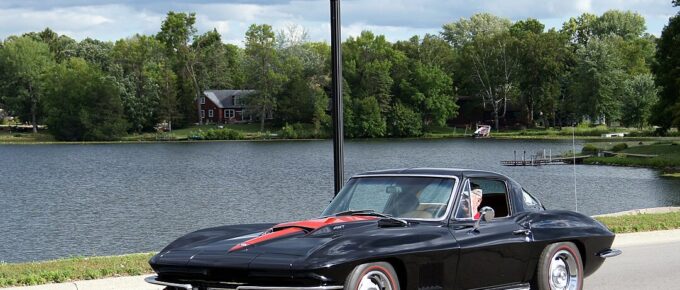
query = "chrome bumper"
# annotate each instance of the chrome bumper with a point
(154, 280)
(608, 253)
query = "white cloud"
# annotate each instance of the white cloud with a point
(397, 19)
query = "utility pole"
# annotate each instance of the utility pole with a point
(336, 76)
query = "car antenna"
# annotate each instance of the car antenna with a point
(573, 153)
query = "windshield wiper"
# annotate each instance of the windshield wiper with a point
(370, 212)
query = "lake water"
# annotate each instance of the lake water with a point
(75, 200)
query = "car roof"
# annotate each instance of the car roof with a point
(457, 172)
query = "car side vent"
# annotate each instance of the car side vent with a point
(431, 276)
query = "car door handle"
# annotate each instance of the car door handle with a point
(525, 232)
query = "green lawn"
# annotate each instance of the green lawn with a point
(26, 137)
(642, 222)
(73, 269)
(668, 157)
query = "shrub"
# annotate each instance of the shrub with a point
(589, 149)
(619, 147)
(216, 134)
(288, 132)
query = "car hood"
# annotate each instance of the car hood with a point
(239, 246)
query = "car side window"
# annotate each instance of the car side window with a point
(530, 202)
(463, 211)
(494, 195)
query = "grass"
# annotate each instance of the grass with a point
(642, 222)
(25, 137)
(73, 269)
(668, 158)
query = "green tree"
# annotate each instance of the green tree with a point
(639, 94)
(667, 72)
(95, 52)
(263, 66)
(596, 80)
(464, 31)
(83, 103)
(544, 57)
(24, 62)
(142, 61)
(628, 25)
(177, 30)
(367, 121)
(404, 122)
(580, 29)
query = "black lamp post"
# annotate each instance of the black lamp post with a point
(338, 135)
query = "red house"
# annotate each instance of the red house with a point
(224, 106)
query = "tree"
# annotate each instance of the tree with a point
(263, 66)
(544, 57)
(176, 31)
(581, 29)
(628, 25)
(639, 94)
(367, 121)
(25, 62)
(83, 103)
(492, 67)
(596, 80)
(463, 31)
(404, 122)
(667, 72)
(142, 62)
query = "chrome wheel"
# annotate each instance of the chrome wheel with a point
(564, 271)
(375, 280)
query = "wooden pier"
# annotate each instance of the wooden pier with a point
(543, 159)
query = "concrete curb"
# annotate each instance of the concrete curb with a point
(117, 283)
(642, 211)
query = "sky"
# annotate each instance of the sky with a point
(397, 19)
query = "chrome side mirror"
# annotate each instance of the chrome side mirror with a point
(486, 214)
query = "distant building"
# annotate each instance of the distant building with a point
(224, 106)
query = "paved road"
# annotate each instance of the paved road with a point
(646, 263)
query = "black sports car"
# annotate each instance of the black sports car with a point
(399, 229)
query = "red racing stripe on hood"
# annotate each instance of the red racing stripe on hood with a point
(291, 228)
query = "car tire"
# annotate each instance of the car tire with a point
(559, 268)
(372, 276)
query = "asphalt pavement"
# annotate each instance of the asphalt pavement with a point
(649, 261)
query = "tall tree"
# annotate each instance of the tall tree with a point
(464, 31)
(263, 65)
(177, 30)
(580, 29)
(83, 103)
(25, 62)
(596, 80)
(667, 71)
(142, 61)
(628, 25)
(639, 94)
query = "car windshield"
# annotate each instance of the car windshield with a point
(397, 196)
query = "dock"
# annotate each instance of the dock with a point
(543, 159)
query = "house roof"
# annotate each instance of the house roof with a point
(227, 98)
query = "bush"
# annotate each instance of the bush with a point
(288, 132)
(216, 134)
(619, 147)
(589, 149)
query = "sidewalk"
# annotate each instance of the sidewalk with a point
(137, 282)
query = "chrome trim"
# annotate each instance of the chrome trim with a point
(456, 185)
(608, 253)
(154, 280)
(288, 288)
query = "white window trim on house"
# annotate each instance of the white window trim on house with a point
(229, 113)
(202, 100)
(202, 113)
(210, 113)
